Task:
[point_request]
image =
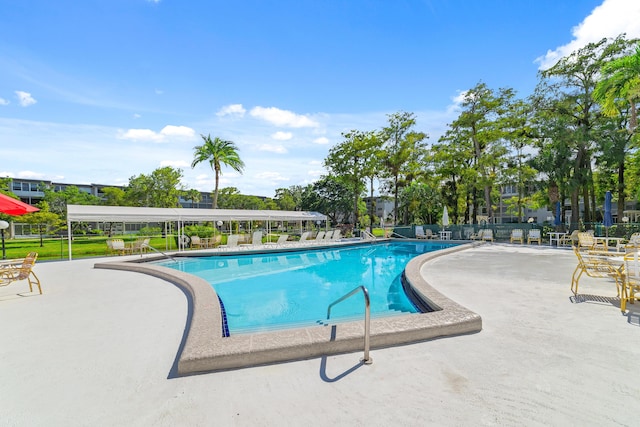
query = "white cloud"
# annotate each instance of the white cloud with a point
(279, 149)
(136, 116)
(180, 131)
(271, 176)
(282, 136)
(280, 117)
(175, 163)
(31, 175)
(315, 163)
(142, 135)
(236, 110)
(316, 173)
(168, 131)
(5, 174)
(610, 19)
(4, 101)
(322, 140)
(24, 98)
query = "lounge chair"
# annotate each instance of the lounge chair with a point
(21, 269)
(420, 233)
(586, 242)
(631, 279)
(517, 234)
(596, 266)
(304, 238)
(428, 234)
(232, 241)
(487, 235)
(282, 240)
(256, 238)
(319, 236)
(534, 236)
(478, 235)
(328, 235)
(337, 234)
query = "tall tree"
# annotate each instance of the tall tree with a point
(217, 152)
(566, 90)
(161, 189)
(351, 161)
(618, 93)
(482, 123)
(405, 152)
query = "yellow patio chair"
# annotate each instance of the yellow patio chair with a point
(534, 236)
(517, 234)
(16, 270)
(597, 266)
(487, 235)
(570, 239)
(631, 279)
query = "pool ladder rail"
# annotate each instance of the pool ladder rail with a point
(366, 359)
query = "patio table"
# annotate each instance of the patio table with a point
(555, 236)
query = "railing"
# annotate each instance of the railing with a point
(147, 246)
(367, 360)
(365, 235)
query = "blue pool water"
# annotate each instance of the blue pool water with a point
(293, 289)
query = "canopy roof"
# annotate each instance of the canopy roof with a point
(88, 213)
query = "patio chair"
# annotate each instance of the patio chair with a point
(429, 234)
(337, 234)
(534, 236)
(570, 239)
(631, 279)
(118, 246)
(17, 270)
(420, 233)
(597, 266)
(319, 236)
(478, 235)
(328, 235)
(487, 235)
(140, 245)
(517, 234)
(196, 243)
(586, 242)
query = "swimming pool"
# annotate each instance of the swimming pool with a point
(262, 292)
(204, 349)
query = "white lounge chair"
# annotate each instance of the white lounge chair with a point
(420, 233)
(517, 234)
(304, 237)
(282, 240)
(232, 242)
(319, 236)
(337, 234)
(534, 236)
(487, 235)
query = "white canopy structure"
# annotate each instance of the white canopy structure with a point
(88, 213)
(124, 214)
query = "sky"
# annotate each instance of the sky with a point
(99, 91)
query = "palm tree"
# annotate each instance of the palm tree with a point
(217, 152)
(621, 80)
(620, 85)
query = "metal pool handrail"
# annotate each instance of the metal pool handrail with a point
(367, 360)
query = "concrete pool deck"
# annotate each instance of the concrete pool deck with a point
(99, 348)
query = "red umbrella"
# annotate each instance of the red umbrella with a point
(12, 206)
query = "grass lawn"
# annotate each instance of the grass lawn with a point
(58, 249)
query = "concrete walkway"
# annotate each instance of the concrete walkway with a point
(98, 349)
